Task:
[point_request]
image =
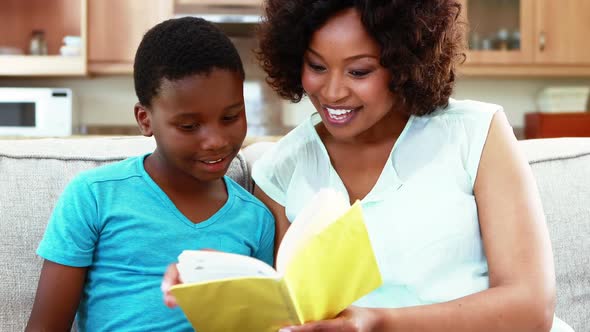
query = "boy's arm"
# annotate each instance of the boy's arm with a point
(58, 296)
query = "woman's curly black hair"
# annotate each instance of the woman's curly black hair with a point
(421, 44)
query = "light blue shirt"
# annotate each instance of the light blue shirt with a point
(118, 222)
(421, 214)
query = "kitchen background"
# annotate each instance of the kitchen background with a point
(525, 55)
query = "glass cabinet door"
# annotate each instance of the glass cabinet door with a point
(499, 31)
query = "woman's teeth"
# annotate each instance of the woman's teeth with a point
(338, 114)
(212, 161)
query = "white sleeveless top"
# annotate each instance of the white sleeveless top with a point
(421, 214)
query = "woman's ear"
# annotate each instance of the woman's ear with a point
(144, 119)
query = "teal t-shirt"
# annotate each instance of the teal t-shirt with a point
(118, 222)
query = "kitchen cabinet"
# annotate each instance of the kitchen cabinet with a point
(220, 2)
(562, 28)
(226, 13)
(55, 19)
(495, 29)
(115, 29)
(527, 37)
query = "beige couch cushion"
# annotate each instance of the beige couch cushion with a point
(562, 170)
(33, 174)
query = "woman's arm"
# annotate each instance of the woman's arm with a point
(278, 212)
(521, 296)
(58, 296)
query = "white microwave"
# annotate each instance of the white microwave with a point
(36, 112)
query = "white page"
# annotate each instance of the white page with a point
(199, 266)
(324, 208)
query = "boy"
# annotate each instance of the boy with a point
(116, 227)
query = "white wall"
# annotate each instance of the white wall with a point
(109, 100)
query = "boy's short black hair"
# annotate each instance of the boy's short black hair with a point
(177, 48)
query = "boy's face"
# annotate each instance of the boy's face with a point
(199, 123)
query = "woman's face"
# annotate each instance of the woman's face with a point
(344, 80)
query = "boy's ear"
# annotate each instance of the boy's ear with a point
(144, 120)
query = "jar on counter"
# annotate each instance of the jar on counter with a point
(514, 41)
(38, 44)
(502, 40)
(474, 41)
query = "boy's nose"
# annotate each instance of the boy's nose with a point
(213, 140)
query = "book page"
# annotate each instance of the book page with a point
(333, 269)
(324, 209)
(200, 265)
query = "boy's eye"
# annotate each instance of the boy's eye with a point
(188, 126)
(229, 118)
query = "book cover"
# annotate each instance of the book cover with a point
(324, 263)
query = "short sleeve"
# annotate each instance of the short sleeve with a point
(266, 248)
(71, 233)
(477, 126)
(273, 172)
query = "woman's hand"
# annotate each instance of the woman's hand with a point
(171, 278)
(352, 319)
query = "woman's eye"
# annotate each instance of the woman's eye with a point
(359, 73)
(316, 67)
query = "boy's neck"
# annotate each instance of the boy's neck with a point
(197, 200)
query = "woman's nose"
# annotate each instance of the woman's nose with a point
(335, 88)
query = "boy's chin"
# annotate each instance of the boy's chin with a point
(208, 176)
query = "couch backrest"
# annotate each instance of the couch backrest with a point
(33, 174)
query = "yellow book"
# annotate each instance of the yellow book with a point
(324, 264)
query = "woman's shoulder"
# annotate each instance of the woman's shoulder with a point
(300, 141)
(295, 154)
(466, 109)
(460, 115)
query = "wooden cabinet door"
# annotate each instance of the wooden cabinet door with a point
(115, 27)
(562, 28)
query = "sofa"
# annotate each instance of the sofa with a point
(33, 173)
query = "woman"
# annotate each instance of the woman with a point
(450, 203)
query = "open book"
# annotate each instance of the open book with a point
(324, 263)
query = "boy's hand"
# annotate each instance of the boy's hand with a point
(171, 278)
